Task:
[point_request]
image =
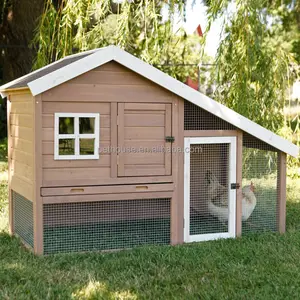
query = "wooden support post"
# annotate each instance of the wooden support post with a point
(281, 192)
(10, 203)
(37, 199)
(239, 178)
(177, 212)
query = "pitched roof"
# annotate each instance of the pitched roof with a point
(73, 66)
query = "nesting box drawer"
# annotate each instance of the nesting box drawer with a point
(108, 190)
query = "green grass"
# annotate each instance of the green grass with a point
(257, 266)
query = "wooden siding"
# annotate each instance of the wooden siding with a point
(101, 91)
(21, 135)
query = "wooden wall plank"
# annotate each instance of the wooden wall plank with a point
(50, 163)
(115, 93)
(146, 120)
(142, 133)
(22, 157)
(21, 132)
(281, 192)
(22, 170)
(21, 144)
(22, 108)
(21, 120)
(75, 173)
(73, 107)
(111, 77)
(22, 186)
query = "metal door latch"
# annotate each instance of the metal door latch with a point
(235, 186)
(170, 139)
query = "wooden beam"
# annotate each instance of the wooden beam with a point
(180, 177)
(239, 178)
(106, 197)
(118, 189)
(10, 203)
(38, 173)
(281, 192)
(210, 133)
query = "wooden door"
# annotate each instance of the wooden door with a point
(142, 146)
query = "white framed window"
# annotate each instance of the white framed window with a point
(76, 136)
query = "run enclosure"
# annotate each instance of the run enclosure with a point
(91, 166)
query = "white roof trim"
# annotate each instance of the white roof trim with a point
(107, 54)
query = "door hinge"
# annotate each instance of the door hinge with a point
(170, 139)
(235, 186)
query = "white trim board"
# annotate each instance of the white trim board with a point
(231, 233)
(104, 55)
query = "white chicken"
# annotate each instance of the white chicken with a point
(218, 199)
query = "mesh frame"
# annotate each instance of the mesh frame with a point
(23, 218)
(105, 225)
(260, 166)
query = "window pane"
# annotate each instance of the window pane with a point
(86, 125)
(66, 147)
(66, 125)
(87, 146)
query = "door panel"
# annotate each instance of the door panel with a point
(209, 201)
(142, 132)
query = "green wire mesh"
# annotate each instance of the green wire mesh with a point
(105, 225)
(23, 218)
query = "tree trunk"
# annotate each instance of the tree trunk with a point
(20, 19)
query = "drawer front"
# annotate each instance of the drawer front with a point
(104, 190)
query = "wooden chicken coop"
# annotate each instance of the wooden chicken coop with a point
(107, 152)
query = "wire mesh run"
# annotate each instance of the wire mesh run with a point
(105, 225)
(209, 188)
(196, 118)
(23, 218)
(260, 188)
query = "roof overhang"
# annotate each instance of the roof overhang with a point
(104, 55)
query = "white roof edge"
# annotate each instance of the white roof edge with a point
(9, 84)
(131, 62)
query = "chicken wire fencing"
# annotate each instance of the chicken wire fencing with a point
(105, 225)
(209, 188)
(260, 175)
(23, 218)
(196, 118)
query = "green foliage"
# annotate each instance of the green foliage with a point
(134, 26)
(252, 76)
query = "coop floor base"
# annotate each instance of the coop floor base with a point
(106, 236)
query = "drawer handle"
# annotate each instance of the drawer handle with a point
(77, 190)
(141, 187)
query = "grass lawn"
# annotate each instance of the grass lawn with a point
(257, 266)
